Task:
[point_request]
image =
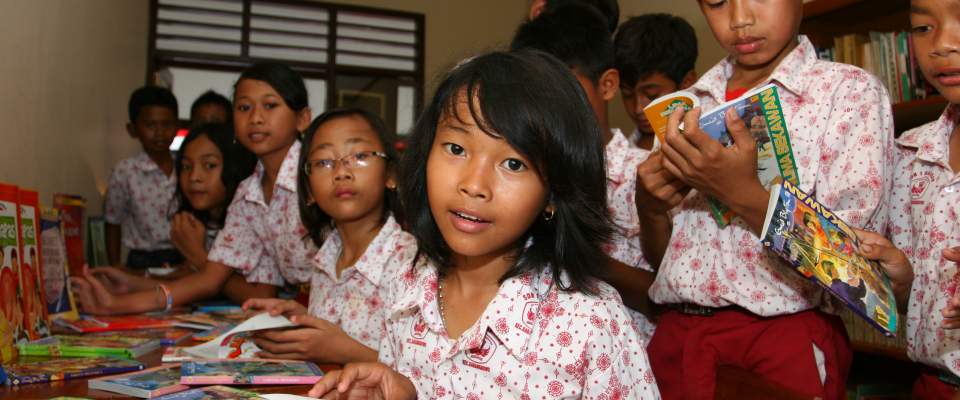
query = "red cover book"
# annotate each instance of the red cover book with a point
(72, 213)
(36, 323)
(119, 323)
(12, 318)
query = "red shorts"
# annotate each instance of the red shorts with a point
(929, 386)
(686, 350)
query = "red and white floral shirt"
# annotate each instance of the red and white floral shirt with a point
(925, 208)
(267, 242)
(839, 121)
(357, 300)
(140, 199)
(533, 341)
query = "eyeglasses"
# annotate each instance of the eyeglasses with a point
(359, 159)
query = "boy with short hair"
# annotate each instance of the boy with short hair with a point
(655, 55)
(576, 35)
(729, 301)
(609, 9)
(211, 107)
(141, 188)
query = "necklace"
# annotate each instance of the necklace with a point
(443, 315)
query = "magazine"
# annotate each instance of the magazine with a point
(660, 109)
(45, 369)
(72, 211)
(249, 372)
(53, 257)
(212, 393)
(36, 322)
(87, 346)
(233, 343)
(824, 249)
(149, 383)
(11, 322)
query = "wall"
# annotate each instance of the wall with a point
(67, 69)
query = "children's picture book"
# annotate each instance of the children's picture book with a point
(249, 372)
(176, 355)
(11, 322)
(116, 323)
(233, 343)
(212, 333)
(45, 369)
(660, 109)
(213, 393)
(97, 242)
(72, 211)
(166, 337)
(212, 319)
(146, 384)
(36, 322)
(88, 346)
(819, 245)
(56, 272)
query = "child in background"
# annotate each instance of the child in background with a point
(745, 307)
(503, 186)
(210, 107)
(140, 190)
(608, 8)
(655, 55)
(575, 35)
(347, 184)
(210, 166)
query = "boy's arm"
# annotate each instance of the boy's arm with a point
(113, 233)
(238, 290)
(632, 283)
(658, 191)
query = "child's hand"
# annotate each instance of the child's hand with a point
(287, 308)
(92, 297)
(951, 313)
(314, 340)
(118, 281)
(658, 191)
(188, 235)
(364, 381)
(893, 261)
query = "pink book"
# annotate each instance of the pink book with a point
(249, 372)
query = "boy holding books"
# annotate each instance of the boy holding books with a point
(730, 302)
(655, 55)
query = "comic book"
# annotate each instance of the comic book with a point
(234, 343)
(71, 215)
(212, 319)
(56, 272)
(87, 346)
(46, 369)
(116, 323)
(824, 249)
(660, 109)
(36, 323)
(149, 383)
(212, 393)
(167, 337)
(249, 372)
(11, 322)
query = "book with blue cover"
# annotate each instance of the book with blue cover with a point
(212, 393)
(149, 383)
(38, 370)
(249, 372)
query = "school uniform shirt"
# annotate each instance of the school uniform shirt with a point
(840, 126)
(357, 301)
(267, 242)
(622, 160)
(923, 221)
(635, 137)
(532, 341)
(139, 199)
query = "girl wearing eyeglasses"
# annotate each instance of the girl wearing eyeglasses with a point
(347, 199)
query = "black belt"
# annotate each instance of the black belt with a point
(696, 309)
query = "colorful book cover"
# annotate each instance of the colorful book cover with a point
(234, 343)
(36, 323)
(176, 355)
(819, 245)
(12, 320)
(72, 209)
(213, 319)
(117, 323)
(56, 272)
(87, 346)
(149, 383)
(660, 109)
(249, 372)
(212, 393)
(761, 111)
(212, 333)
(44, 369)
(166, 337)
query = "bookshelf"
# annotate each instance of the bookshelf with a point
(823, 20)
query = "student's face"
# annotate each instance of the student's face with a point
(757, 33)
(936, 41)
(483, 194)
(155, 128)
(200, 175)
(348, 193)
(263, 122)
(638, 96)
(208, 113)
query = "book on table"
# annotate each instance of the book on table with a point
(149, 383)
(45, 369)
(249, 372)
(116, 323)
(89, 346)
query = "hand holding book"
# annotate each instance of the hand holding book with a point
(364, 380)
(894, 262)
(287, 308)
(315, 339)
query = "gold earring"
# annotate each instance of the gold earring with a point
(548, 215)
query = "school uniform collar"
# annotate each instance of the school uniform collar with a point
(371, 263)
(932, 141)
(790, 74)
(615, 155)
(286, 177)
(144, 163)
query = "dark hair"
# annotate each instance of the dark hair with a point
(238, 164)
(314, 219)
(150, 96)
(575, 34)
(654, 43)
(287, 82)
(531, 100)
(211, 97)
(609, 9)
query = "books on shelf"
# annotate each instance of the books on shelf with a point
(820, 246)
(887, 55)
(89, 346)
(249, 372)
(149, 383)
(45, 369)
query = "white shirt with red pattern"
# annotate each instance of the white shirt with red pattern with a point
(839, 121)
(357, 300)
(533, 341)
(140, 199)
(622, 160)
(925, 208)
(267, 242)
